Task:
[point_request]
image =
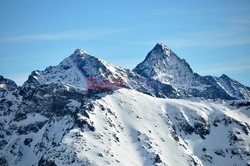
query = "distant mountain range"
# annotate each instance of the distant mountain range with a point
(165, 114)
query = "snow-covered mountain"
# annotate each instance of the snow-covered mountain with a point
(230, 86)
(54, 120)
(74, 70)
(164, 65)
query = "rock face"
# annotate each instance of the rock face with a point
(164, 65)
(54, 120)
(230, 86)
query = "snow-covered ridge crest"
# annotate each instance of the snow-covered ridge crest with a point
(73, 70)
(66, 72)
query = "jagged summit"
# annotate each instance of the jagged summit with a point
(164, 65)
(67, 72)
(6, 82)
(162, 46)
(78, 54)
(159, 51)
(224, 76)
(80, 51)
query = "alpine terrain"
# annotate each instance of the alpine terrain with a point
(164, 114)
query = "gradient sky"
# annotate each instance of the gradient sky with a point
(213, 36)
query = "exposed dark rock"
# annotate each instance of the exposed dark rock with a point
(187, 128)
(100, 155)
(2, 144)
(207, 158)
(3, 161)
(27, 141)
(31, 128)
(157, 159)
(20, 116)
(46, 162)
(220, 152)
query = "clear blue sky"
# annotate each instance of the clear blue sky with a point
(213, 36)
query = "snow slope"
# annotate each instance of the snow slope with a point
(153, 126)
(125, 127)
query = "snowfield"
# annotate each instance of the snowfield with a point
(133, 128)
(127, 127)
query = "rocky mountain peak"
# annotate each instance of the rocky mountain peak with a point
(4, 82)
(224, 76)
(80, 51)
(77, 56)
(162, 46)
(164, 65)
(160, 51)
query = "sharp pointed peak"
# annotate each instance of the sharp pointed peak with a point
(159, 50)
(80, 51)
(162, 46)
(224, 76)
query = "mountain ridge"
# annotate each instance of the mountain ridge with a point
(54, 120)
(161, 68)
(57, 125)
(162, 64)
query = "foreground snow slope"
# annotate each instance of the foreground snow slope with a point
(136, 128)
(124, 127)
